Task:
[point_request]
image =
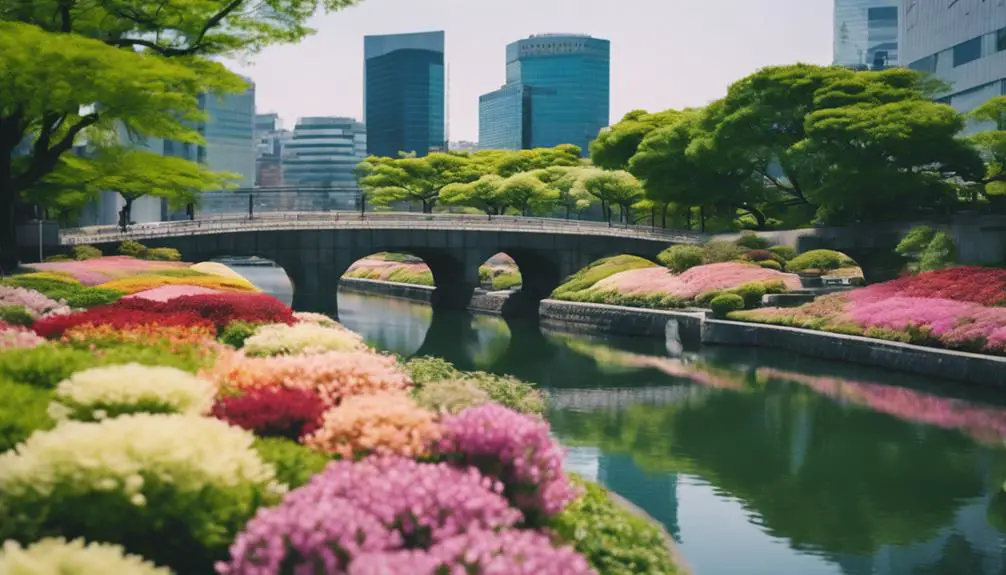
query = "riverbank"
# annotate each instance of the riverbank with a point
(484, 302)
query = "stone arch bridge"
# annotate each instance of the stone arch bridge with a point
(316, 249)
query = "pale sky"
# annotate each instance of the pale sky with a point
(664, 53)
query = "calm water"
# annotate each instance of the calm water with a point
(757, 463)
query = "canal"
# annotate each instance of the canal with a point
(757, 462)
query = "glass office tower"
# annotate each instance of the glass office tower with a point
(229, 131)
(866, 34)
(404, 93)
(323, 152)
(560, 86)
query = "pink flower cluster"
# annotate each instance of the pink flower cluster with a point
(377, 504)
(168, 292)
(516, 449)
(695, 281)
(34, 302)
(17, 337)
(101, 270)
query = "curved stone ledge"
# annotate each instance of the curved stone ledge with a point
(621, 320)
(411, 292)
(928, 361)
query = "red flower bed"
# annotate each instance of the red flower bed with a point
(53, 327)
(273, 411)
(985, 286)
(221, 309)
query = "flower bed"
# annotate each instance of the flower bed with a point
(229, 471)
(104, 269)
(934, 308)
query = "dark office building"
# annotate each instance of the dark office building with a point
(404, 93)
(557, 91)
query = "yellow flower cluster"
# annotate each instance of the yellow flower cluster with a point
(55, 556)
(136, 284)
(97, 393)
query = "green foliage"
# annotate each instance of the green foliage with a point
(615, 146)
(407, 276)
(597, 271)
(46, 365)
(294, 463)
(58, 258)
(719, 252)
(450, 396)
(705, 298)
(86, 252)
(915, 242)
(164, 255)
(562, 180)
(818, 261)
(927, 249)
(655, 300)
(236, 333)
(751, 293)
(785, 252)
(682, 257)
(423, 370)
(508, 391)
(527, 194)
(618, 188)
(507, 280)
(132, 249)
(486, 194)
(726, 303)
(75, 295)
(23, 410)
(16, 315)
(614, 540)
(752, 241)
(771, 264)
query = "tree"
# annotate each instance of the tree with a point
(485, 193)
(992, 145)
(82, 70)
(562, 180)
(416, 179)
(510, 163)
(612, 188)
(615, 146)
(527, 194)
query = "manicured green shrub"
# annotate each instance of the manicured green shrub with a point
(771, 264)
(423, 370)
(236, 333)
(680, 258)
(751, 293)
(613, 539)
(485, 274)
(726, 303)
(16, 315)
(23, 410)
(132, 248)
(720, 252)
(775, 287)
(509, 391)
(785, 252)
(941, 253)
(86, 252)
(507, 280)
(58, 258)
(294, 463)
(407, 276)
(752, 241)
(704, 298)
(819, 261)
(163, 255)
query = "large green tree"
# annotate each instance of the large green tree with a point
(527, 194)
(991, 142)
(562, 180)
(612, 188)
(615, 146)
(485, 194)
(416, 179)
(85, 71)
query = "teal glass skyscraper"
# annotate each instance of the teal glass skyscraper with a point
(404, 93)
(557, 91)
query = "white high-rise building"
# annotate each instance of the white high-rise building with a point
(866, 34)
(323, 152)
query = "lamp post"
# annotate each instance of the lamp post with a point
(38, 215)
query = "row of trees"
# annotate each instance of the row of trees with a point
(102, 75)
(794, 144)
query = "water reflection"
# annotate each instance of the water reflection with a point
(758, 462)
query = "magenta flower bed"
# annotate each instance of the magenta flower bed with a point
(169, 292)
(101, 270)
(33, 302)
(693, 282)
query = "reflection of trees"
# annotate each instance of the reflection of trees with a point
(865, 480)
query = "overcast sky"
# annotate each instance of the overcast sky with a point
(664, 53)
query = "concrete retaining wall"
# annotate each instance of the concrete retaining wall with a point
(416, 293)
(968, 367)
(621, 320)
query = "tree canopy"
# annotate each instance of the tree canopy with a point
(104, 74)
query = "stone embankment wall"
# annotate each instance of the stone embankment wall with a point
(481, 302)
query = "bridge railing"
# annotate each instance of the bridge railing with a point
(355, 220)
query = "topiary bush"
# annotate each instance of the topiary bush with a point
(132, 249)
(752, 241)
(173, 488)
(680, 258)
(771, 265)
(614, 540)
(163, 255)
(751, 293)
(85, 252)
(16, 315)
(786, 253)
(719, 252)
(726, 303)
(23, 411)
(507, 281)
(704, 298)
(818, 261)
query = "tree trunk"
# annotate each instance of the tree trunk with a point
(427, 207)
(8, 232)
(567, 211)
(663, 216)
(702, 219)
(688, 218)
(127, 214)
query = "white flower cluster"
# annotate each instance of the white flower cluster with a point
(316, 318)
(56, 556)
(281, 339)
(190, 453)
(94, 394)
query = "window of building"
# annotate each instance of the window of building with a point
(1000, 39)
(967, 51)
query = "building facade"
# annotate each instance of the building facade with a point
(962, 42)
(866, 34)
(323, 152)
(229, 131)
(404, 94)
(557, 91)
(270, 138)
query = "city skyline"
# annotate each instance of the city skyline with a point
(655, 64)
